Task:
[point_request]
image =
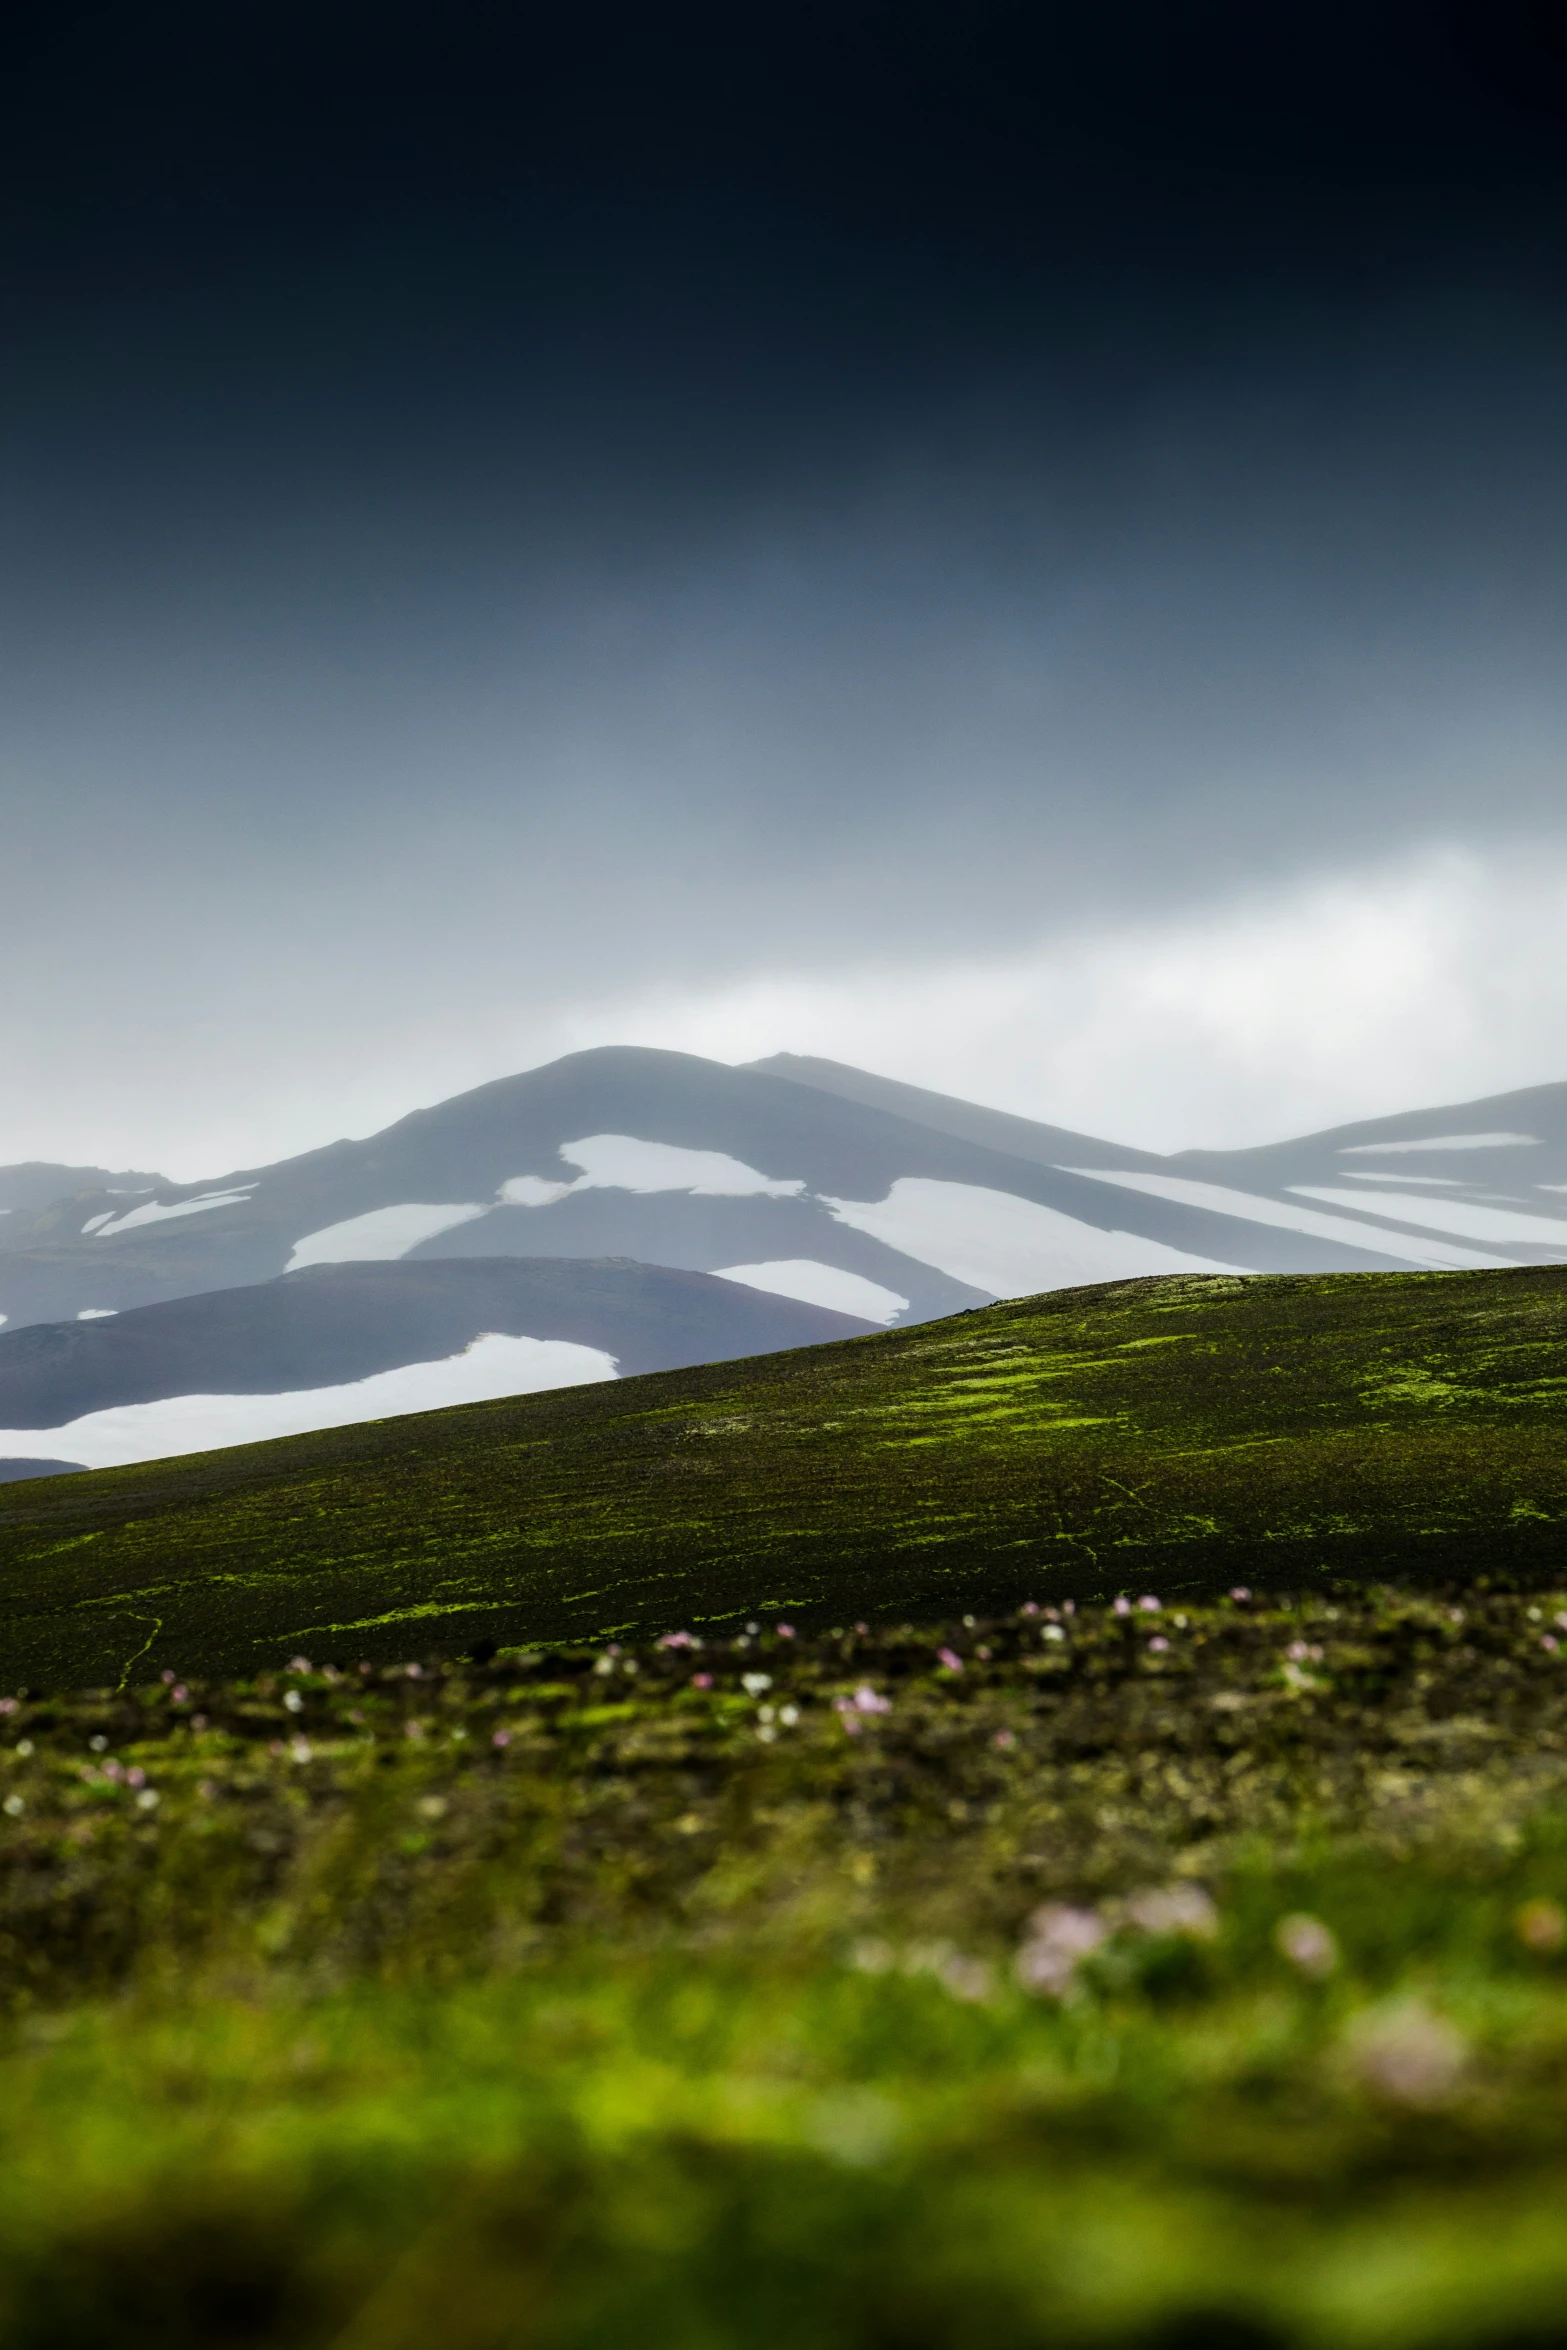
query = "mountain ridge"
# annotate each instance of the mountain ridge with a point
(800, 1178)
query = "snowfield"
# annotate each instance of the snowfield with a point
(492, 1366)
(816, 1284)
(1010, 1246)
(1427, 1255)
(1448, 1215)
(106, 1225)
(620, 1162)
(383, 1233)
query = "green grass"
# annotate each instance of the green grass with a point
(848, 1973)
(565, 2002)
(1183, 1433)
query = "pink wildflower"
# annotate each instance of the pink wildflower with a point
(784, 1631)
(701, 1680)
(501, 1738)
(867, 1701)
(1123, 1607)
(950, 1659)
(1149, 1605)
(1241, 1591)
(1059, 1939)
(1158, 1644)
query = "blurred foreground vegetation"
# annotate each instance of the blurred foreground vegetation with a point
(1174, 1976)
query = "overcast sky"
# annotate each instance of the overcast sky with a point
(1025, 547)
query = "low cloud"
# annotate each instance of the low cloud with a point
(1432, 980)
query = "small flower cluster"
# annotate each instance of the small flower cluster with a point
(864, 1701)
(1060, 1935)
(964, 1976)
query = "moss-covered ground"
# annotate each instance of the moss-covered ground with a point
(945, 1905)
(1188, 1975)
(1182, 1433)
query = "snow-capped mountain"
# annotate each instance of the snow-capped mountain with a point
(792, 1180)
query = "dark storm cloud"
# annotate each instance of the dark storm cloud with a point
(493, 495)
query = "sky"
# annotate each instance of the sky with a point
(1021, 546)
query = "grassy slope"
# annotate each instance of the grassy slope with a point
(568, 2002)
(1179, 1434)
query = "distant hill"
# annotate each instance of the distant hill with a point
(319, 1348)
(1167, 1435)
(798, 1178)
(35, 1184)
(811, 1178)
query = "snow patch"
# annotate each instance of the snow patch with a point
(97, 1313)
(1450, 1215)
(1009, 1246)
(1437, 1142)
(531, 1191)
(155, 1213)
(94, 1223)
(383, 1233)
(1364, 1175)
(492, 1366)
(1186, 1191)
(620, 1162)
(816, 1284)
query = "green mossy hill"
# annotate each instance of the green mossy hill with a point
(1160, 1980)
(1179, 1435)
